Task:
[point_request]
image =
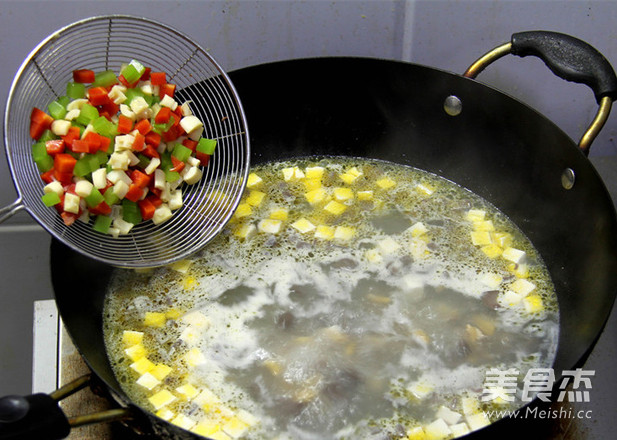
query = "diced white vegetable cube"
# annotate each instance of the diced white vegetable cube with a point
(161, 214)
(153, 165)
(83, 188)
(115, 175)
(184, 422)
(186, 109)
(124, 142)
(140, 107)
(55, 187)
(76, 104)
(449, 416)
(514, 255)
(71, 203)
(477, 420)
(460, 429)
(60, 127)
(191, 175)
(99, 178)
(438, 429)
(146, 88)
(72, 114)
(191, 123)
(175, 201)
(116, 94)
(119, 161)
(522, 286)
(159, 179)
(148, 381)
(126, 111)
(193, 161)
(169, 102)
(133, 160)
(120, 189)
(123, 226)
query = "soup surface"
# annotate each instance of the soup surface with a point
(348, 298)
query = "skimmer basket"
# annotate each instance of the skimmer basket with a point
(107, 42)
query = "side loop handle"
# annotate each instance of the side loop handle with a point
(8, 211)
(39, 415)
(569, 58)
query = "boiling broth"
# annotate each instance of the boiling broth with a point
(348, 298)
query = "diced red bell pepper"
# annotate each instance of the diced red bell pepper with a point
(105, 143)
(139, 143)
(47, 176)
(64, 178)
(101, 209)
(162, 116)
(69, 217)
(54, 146)
(74, 133)
(98, 96)
(111, 108)
(125, 124)
(143, 126)
(146, 75)
(94, 141)
(39, 122)
(172, 134)
(153, 139)
(147, 208)
(155, 197)
(134, 193)
(64, 163)
(178, 165)
(80, 146)
(140, 179)
(83, 76)
(190, 144)
(158, 78)
(203, 158)
(167, 89)
(150, 151)
(125, 83)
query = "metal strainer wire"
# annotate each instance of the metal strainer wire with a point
(106, 42)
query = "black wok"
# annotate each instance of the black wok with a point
(497, 147)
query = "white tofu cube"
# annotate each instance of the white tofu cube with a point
(514, 255)
(522, 286)
(449, 416)
(438, 429)
(148, 381)
(303, 225)
(388, 245)
(477, 420)
(269, 226)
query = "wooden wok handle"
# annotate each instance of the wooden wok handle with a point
(569, 58)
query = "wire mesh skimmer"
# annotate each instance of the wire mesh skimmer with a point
(105, 43)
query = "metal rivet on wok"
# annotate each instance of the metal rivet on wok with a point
(453, 105)
(568, 178)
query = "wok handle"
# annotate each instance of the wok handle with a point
(569, 58)
(38, 416)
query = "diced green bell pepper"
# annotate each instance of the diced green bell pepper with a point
(206, 146)
(104, 127)
(56, 110)
(131, 212)
(133, 71)
(102, 158)
(75, 90)
(110, 196)
(171, 176)
(47, 135)
(86, 164)
(50, 199)
(105, 78)
(94, 198)
(43, 161)
(181, 152)
(166, 163)
(87, 114)
(63, 101)
(102, 224)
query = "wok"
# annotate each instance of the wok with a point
(497, 147)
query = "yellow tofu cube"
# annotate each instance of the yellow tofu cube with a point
(206, 398)
(135, 352)
(421, 389)
(418, 229)
(484, 225)
(206, 428)
(174, 313)
(253, 181)
(243, 210)
(316, 196)
(154, 319)
(182, 266)
(388, 245)
(244, 231)
(269, 226)
(335, 208)
(373, 256)
(235, 427)
(519, 270)
(477, 420)
(142, 365)
(351, 175)
(292, 174)
(514, 255)
(342, 194)
(187, 391)
(279, 214)
(503, 239)
(481, 238)
(437, 430)
(416, 433)
(314, 172)
(470, 405)
(475, 215)
(255, 198)
(166, 414)
(161, 399)
(533, 304)
(188, 283)
(365, 195)
(161, 371)
(522, 286)
(492, 250)
(448, 416)
(492, 280)
(148, 381)
(194, 357)
(344, 233)
(131, 337)
(418, 248)
(385, 183)
(311, 184)
(324, 232)
(425, 189)
(219, 435)
(509, 298)
(183, 421)
(459, 430)
(247, 417)
(303, 225)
